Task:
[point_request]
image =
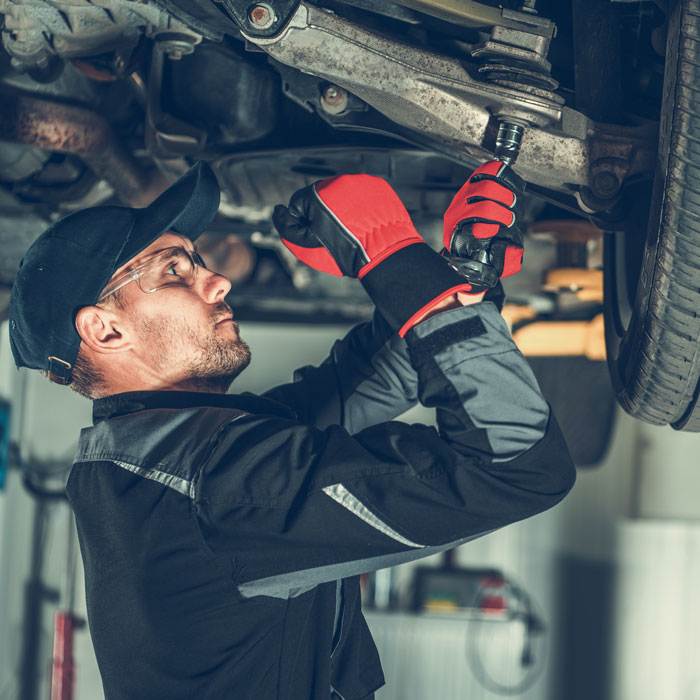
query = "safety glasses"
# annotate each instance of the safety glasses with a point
(172, 267)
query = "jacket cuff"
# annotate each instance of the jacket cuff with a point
(409, 282)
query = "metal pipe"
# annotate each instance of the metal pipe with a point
(63, 128)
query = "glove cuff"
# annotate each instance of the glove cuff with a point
(408, 283)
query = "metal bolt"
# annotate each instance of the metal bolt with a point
(334, 100)
(508, 141)
(176, 45)
(605, 184)
(261, 15)
(529, 6)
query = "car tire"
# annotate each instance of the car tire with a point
(652, 288)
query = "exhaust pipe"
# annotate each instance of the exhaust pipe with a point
(66, 128)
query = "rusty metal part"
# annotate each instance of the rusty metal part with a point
(422, 90)
(261, 15)
(333, 95)
(334, 100)
(69, 129)
(402, 81)
(436, 97)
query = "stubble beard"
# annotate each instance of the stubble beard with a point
(220, 362)
(216, 361)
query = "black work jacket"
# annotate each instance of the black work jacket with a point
(223, 535)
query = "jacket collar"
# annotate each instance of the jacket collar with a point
(133, 401)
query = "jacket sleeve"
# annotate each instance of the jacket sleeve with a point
(367, 378)
(291, 506)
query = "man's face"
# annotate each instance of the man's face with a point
(185, 336)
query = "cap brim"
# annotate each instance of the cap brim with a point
(187, 207)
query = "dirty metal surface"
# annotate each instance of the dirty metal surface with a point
(437, 97)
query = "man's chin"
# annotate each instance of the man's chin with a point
(220, 368)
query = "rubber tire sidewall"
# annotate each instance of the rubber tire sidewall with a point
(635, 387)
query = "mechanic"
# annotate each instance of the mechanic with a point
(223, 535)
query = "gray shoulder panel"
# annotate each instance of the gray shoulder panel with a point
(164, 445)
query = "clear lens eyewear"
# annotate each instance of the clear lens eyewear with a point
(172, 267)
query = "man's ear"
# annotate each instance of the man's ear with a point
(101, 330)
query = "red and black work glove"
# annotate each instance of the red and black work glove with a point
(482, 234)
(356, 225)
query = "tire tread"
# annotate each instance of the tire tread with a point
(664, 385)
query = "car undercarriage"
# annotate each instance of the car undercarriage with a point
(108, 101)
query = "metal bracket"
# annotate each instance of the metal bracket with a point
(527, 48)
(166, 135)
(317, 95)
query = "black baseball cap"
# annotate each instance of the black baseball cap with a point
(70, 263)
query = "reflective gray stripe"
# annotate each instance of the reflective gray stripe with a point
(296, 583)
(341, 224)
(341, 495)
(186, 488)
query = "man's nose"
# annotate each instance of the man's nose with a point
(214, 286)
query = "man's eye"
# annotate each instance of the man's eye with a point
(172, 269)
